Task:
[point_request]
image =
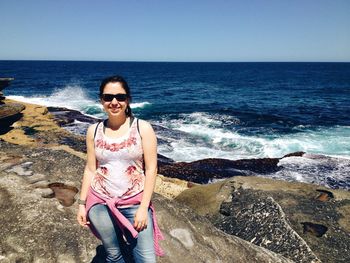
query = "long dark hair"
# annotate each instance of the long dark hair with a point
(125, 86)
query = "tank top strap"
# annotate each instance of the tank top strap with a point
(99, 130)
(135, 126)
(132, 119)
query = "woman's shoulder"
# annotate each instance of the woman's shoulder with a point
(143, 124)
(92, 129)
(144, 127)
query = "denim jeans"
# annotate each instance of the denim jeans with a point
(117, 249)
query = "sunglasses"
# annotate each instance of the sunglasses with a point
(118, 97)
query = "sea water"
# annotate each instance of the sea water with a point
(213, 110)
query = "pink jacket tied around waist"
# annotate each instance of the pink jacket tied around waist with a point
(94, 198)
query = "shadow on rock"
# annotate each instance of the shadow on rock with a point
(6, 123)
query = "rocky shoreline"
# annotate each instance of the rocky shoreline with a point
(241, 218)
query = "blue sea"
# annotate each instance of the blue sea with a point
(212, 110)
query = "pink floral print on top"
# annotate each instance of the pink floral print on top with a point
(120, 162)
(99, 182)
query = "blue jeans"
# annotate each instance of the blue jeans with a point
(117, 250)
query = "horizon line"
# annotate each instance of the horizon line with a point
(170, 61)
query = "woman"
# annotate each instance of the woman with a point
(119, 179)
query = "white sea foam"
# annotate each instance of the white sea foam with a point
(139, 105)
(316, 169)
(230, 144)
(72, 97)
(184, 152)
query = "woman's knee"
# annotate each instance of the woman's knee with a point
(114, 255)
(144, 255)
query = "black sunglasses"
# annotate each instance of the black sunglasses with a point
(110, 97)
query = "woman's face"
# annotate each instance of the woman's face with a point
(114, 107)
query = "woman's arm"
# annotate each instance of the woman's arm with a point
(89, 171)
(149, 145)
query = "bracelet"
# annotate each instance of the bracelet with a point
(81, 202)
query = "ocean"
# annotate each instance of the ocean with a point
(215, 110)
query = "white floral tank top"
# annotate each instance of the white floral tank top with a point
(120, 163)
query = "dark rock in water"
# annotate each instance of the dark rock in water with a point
(2, 97)
(205, 170)
(164, 160)
(317, 169)
(4, 82)
(296, 154)
(9, 113)
(64, 116)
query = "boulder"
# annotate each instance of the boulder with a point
(9, 113)
(2, 97)
(303, 222)
(4, 82)
(64, 116)
(207, 170)
(9, 110)
(260, 220)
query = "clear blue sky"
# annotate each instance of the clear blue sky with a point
(170, 30)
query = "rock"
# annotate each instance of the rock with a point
(8, 110)
(323, 170)
(288, 218)
(64, 116)
(260, 220)
(164, 160)
(9, 113)
(2, 97)
(4, 82)
(170, 187)
(37, 128)
(192, 238)
(29, 219)
(206, 170)
(298, 154)
(21, 169)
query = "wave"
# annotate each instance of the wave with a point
(140, 105)
(202, 135)
(73, 97)
(316, 169)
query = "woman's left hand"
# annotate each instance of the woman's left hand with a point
(141, 218)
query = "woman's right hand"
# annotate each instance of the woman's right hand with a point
(81, 216)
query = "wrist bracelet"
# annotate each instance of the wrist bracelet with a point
(81, 202)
